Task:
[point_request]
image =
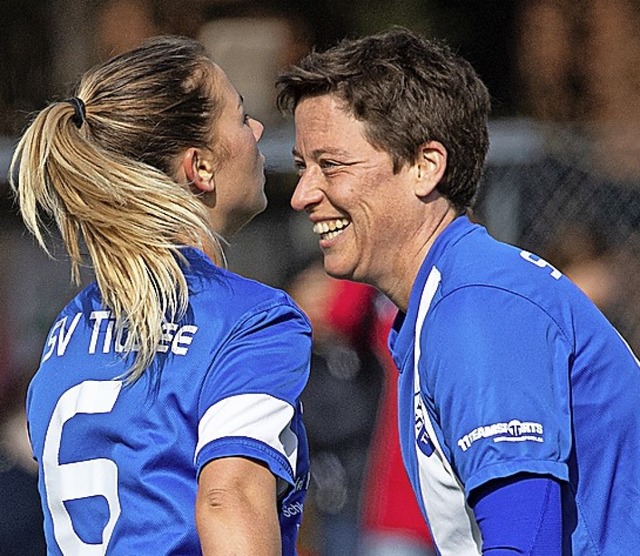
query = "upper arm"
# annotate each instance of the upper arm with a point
(497, 369)
(251, 440)
(236, 508)
(249, 401)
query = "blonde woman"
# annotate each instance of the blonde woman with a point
(165, 414)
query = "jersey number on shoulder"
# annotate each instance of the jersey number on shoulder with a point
(541, 263)
(80, 479)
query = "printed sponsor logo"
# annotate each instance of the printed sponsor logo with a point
(293, 504)
(292, 509)
(302, 483)
(424, 442)
(512, 431)
(422, 437)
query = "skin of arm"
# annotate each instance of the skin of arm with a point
(236, 509)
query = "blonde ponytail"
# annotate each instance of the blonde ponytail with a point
(131, 216)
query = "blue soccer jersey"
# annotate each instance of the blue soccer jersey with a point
(506, 367)
(119, 462)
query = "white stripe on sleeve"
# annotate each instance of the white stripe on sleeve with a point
(258, 416)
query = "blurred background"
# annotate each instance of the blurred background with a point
(562, 179)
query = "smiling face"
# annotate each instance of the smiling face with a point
(365, 215)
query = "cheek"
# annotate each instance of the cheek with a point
(376, 198)
(248, 141)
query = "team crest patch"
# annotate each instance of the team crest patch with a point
(422, 437)
(512, 431)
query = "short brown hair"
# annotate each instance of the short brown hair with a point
(407, 90)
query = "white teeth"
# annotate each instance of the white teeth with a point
(331, 234)
(330, 228)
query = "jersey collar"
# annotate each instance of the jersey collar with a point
(401, 334)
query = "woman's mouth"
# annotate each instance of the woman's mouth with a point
(328, 229)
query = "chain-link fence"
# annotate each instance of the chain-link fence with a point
(563, 195)
(546, 190)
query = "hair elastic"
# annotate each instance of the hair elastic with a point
(80, 111)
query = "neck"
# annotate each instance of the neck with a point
(404, 272)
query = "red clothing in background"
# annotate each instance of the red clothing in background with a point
(362, 314)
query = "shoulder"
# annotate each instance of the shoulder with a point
(213, 289)
(492, 268)
(493, 285)
(250, 297)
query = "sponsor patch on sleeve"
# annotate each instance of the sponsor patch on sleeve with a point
(512, 431)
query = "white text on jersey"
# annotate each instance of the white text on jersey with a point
(513, 431)
(107, 338)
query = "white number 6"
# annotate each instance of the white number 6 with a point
(81, 479)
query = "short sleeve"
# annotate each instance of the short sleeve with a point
(498, 383)
(249, 403)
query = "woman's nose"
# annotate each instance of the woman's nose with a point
(257, 128)
(308, 192)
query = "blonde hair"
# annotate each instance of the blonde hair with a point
(105, 180)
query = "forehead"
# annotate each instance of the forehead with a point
(323, 122)
(223, 87)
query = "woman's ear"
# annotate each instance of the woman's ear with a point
(430, 167)
(198, 169)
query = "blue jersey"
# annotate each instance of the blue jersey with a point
(119, 462)
(506, 367)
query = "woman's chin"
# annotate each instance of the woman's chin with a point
(241, 221)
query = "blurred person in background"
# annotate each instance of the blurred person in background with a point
(392, 524)
(606, 272)
(165, 415)
(580, 250)
(517, 398)
(360, 493)
(340, 406)
(20, 513)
